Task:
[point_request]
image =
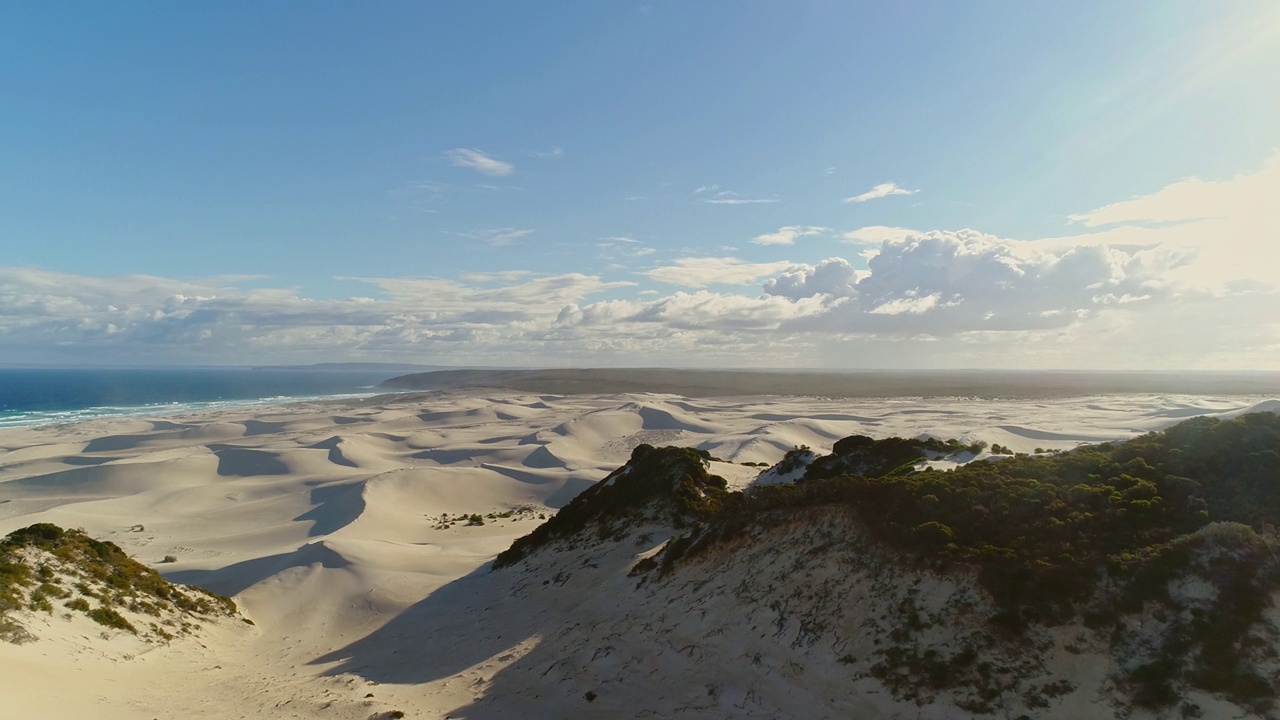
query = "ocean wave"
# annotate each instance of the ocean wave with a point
(39, 418)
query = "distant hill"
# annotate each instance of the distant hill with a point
(869, 383)
(361, 367)
(1135, 579)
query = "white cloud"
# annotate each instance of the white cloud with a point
(58, 317)
(480, 162)
(622, 246)
(729, 197)
(687, 311)
(1228, 230)
(499, 237)
(833, 276)
(882, 190)
(877, 234)
(911, 304)
(503, 276)
(1182, 277)
(1189, 200)
(701, 272)
(787, 234)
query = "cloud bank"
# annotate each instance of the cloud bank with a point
(1185, 277)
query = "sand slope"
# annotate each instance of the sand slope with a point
(331, 526)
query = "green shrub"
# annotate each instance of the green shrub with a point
(112, 619)
(672, 482)
(1044, 531)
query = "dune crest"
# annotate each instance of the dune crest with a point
(359, 537)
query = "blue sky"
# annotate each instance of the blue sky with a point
(726, 183)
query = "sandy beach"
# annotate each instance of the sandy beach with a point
(330, 526)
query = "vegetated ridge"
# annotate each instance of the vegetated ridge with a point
(1135, 578)
(668, 486)
(46, 569)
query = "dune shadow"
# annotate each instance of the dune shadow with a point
(465, 622)
(336, 506)
(335, 453)
(118, 442)
(344, 420)
(572, 487)
(1034, 434)
(83, 460)
(246, 462)
(447, 457)
(389, 437)
(238, 577)
(543, 459)
(262, 427)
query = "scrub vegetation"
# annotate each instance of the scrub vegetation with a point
(1174, 530)
(44, 568)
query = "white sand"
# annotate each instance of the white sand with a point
(323, 522)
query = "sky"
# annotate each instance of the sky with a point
(808, 184)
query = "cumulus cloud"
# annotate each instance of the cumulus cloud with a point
(149, 319)
(1183, 277)
(699, 310)
(480, 162)
(833, 276)
(701, 272)
(937, 284)
(953, 282)
(787, 234)
(882, 190)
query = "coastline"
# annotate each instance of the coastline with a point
(41, 396)
(327, 521)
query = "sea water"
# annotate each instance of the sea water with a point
(43, 396)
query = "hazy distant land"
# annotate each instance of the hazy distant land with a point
(862, 383)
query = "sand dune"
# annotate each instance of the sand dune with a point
(339, 530)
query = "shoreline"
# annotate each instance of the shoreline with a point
(334, 525)
(52, 418)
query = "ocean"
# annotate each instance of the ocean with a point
(30, 397)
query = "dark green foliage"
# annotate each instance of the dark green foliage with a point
(670, 482)
(101, 570)
(1043, 532)
(862, 455)
(112, 619)
(794, 459)
(42, 535)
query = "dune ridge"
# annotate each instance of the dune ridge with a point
(344, 532)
